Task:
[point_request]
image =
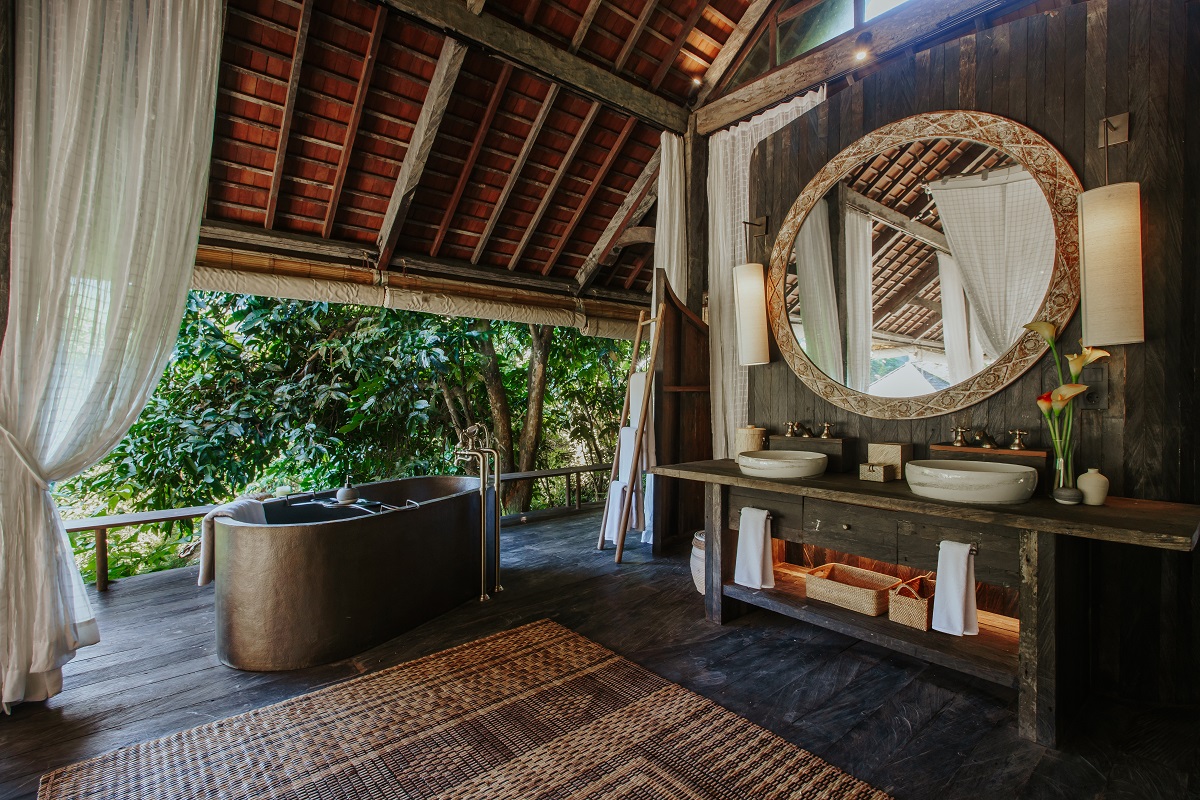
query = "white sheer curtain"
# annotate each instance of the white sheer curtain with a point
(817, 293)
(114, 118)
(859, 323)
(1002, 237)
(963, 354)
(729, 154)
(670, 231)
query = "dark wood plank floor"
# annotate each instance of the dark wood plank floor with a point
(914, 730)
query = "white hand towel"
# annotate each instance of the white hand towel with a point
(637, 390)
(612, 519)
(243, 510)
(755, 565)
(954, 598)
(625, 465)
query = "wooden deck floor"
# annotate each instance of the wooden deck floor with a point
(914, 730)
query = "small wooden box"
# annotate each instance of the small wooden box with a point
(895, 453)
(880, 473)
(842, 452)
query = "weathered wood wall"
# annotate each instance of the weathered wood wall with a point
(1060, 73)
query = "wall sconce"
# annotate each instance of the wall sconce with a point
(862, 46)
(750, 308)
(1110, 254)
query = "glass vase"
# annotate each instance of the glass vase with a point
(1064, 490)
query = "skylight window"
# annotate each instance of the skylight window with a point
(876, 7)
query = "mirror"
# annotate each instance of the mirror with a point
(902, 276)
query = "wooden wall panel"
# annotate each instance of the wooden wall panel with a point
(1060, 73)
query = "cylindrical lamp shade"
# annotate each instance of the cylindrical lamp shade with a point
(750, 304)
(1110, 264)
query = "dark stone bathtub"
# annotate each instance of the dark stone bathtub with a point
(318, 584)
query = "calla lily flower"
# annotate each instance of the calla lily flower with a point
(1060, 397)
(1087, 356)
(1045, 403)
(1043, 329)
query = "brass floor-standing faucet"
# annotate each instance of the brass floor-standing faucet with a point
(467, 449)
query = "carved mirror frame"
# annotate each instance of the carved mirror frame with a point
(1059, 184)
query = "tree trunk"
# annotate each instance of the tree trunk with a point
(493, 381)
(520, 493)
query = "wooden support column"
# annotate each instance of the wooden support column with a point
(720, 548)
(696, 171)
(1037, 677)
(289, 108)
(7, 68)
(360, 100)
(419, 146)
(102, 559)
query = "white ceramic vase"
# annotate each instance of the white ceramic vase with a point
(1094, 486)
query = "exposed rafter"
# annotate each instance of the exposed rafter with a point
(553, 187)
(531, 11)
(476, 6)
(585, 22)
(637, 203)
(360, 99)
(614, 152)
(733, 45)
(289, 108)
(514, 174)
(440, 86)
(894, 219)
(636, 269)
(632, 39)
(485, 126)
(668, 61)
(924, 275)
(641, 235)
(533, 53)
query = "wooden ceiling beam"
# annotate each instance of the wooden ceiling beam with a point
(533, 53)
(728, 53)
(289, 108)
(637, 202)
(585, 22)
(908, 24)
(637, 268)
(531, 11)
(632, 39)
(668, 60)
(640, 235)
(894, 219)
(485, 125)
(576, 143)
(356, 112)
(924, 275)
(613, 153)
(514, 174)
(432, 110)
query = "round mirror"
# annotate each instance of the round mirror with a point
(904, 273)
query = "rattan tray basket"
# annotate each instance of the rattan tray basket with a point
(911, 603)
(857, 589)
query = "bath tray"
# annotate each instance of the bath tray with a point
(852, 588)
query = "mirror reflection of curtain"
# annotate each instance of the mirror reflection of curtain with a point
(729, 153)
(817, 294)
(859, 322)
(963, 354)
(1002, 236)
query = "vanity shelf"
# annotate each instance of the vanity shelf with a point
(992, 655)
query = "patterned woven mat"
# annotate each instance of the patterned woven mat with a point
(534, 713)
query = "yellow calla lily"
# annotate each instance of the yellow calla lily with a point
(1091, 354)
(1043, 329)
(1060, 397)
(1076, 364)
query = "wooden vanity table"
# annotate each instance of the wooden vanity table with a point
(1018, 546)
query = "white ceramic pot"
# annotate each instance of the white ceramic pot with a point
(698, 561)
(1094, 486)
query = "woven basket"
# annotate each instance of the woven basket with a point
(857, 589)
(698, 561)
(911, 603)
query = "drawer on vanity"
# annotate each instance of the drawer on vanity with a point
(863, 531)
(997, 560)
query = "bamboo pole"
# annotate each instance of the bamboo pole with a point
(627, 503)
(637, 345)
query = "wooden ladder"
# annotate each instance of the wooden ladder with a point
(627, 503)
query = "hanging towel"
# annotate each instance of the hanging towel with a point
(755, 566)
(625, 471)
(243, 510)
(637, 390)
(612, 517)
(954, 597)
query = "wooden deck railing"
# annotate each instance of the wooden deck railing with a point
(102, 525)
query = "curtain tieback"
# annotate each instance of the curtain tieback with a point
(24, 458)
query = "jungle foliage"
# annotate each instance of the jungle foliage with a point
(263, 394)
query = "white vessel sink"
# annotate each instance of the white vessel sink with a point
(782, 463)
(978, 482)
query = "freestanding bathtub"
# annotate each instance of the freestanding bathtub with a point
(317, 584)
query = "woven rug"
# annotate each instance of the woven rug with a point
(535, 712)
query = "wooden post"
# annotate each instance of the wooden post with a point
(578, 490)
(568, 498)
(719, 548)
(696, 158)
(1037, 706)
(102, 559)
